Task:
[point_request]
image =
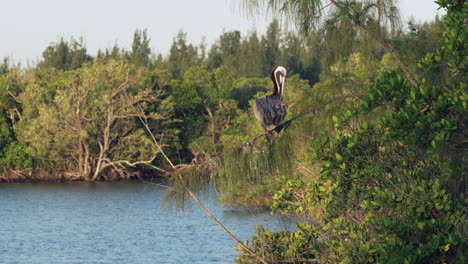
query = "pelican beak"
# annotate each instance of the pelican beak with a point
(278, 76)
(281, 80)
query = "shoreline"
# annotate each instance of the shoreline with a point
(15, 177)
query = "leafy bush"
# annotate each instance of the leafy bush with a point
(392, 187)
(13, 155)
(290, 247)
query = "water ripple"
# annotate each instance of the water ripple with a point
(112, 223)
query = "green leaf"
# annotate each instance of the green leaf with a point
(421, 225)
(364, 126)
(338, 156)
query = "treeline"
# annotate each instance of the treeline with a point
(375, 152)
(251, 55)
(76, 116)
(79, 116)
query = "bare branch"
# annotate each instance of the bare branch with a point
(13, 96)
(134, 164)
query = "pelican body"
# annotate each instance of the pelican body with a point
(270, 109)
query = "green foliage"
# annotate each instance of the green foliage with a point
(454, 36)
(392, 185)
(13, 155)
(271, 46)
(111, 54)
(250, 171)
(10, 86)
(140, 54)
(395, 195)
(203, 103)
(290, 247)
(255, 56)
(245, 89)
(182, 56)
(197, 179)
(246, 56)
(425, 116)
(6, 65)
(86, 123)
(375, 162)
(229, 44)
(250, 57)
(253, 172)
(64, 55)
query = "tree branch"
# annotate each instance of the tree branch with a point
(136, 163)
(13, 96)
(195, 198)
(208, 213)
(286, 124)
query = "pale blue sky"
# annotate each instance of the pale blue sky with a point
(27, 27)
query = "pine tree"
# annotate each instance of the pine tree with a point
(140, 54)
(64, 55)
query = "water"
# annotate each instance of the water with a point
(115, 223)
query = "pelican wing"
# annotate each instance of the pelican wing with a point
(269, 110)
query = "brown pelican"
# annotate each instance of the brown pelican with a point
(270, 109)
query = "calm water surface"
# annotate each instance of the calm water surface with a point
(115, 223)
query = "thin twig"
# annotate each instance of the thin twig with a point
(208, 213)
(145, 123)
(195, 197)
(382, 41)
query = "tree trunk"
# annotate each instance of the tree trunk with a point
(104, 145)
(98, 165)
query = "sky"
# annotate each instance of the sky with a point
(29, 26)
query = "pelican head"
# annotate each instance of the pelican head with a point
(278, 76)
